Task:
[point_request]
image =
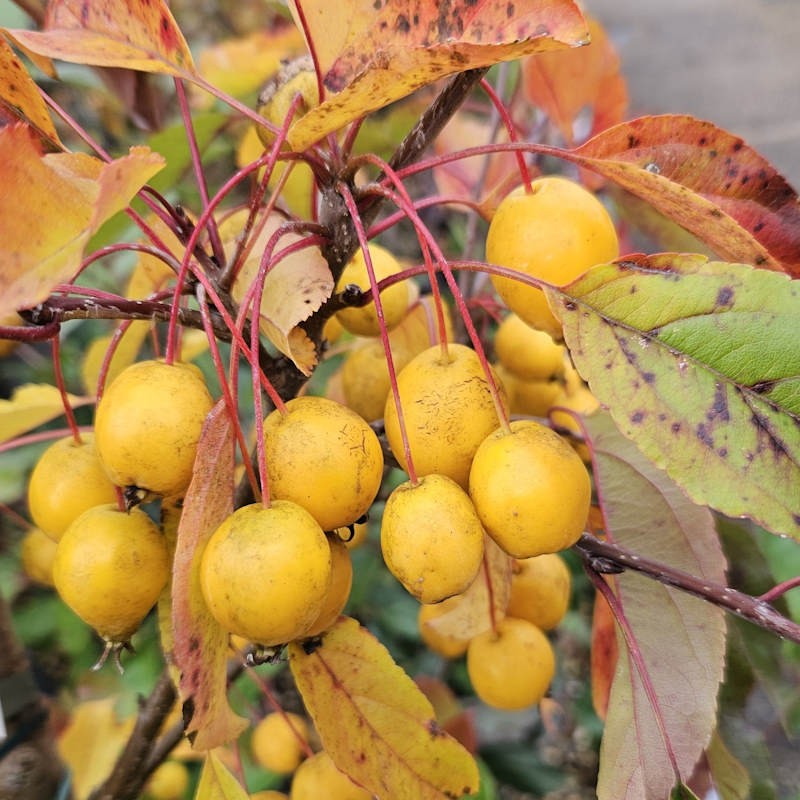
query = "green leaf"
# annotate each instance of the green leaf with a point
(682, 792)
(699, 364)
(681, 638)
(730, 778)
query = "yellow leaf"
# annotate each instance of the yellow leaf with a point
(49, 208)
(217, 783)
(30, 406)
(91, 743)
(20, 95)
(374, 721)
(295, 287)
(371, 54)
(132, 34)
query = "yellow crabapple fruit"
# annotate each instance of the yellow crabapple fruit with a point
(278, 741)
(148, 424)
(363, 320)
(339, 589)
(581, 401)
(319, 777)
(445, 645)
(529, 398)
(448, 411)
(555, 233)
(325, 457)
(265, 572)
(528, 353)
(276, 97)
(67, 480)
(37, 553)
(169, 781)
(431, 538)
(110, 568)
(511, 667)
(540, 590)
(530, 489)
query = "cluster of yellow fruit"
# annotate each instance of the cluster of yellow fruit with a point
(279, 743)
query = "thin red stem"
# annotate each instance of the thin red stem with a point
(311, 49)
(778, 591)
(55, 346)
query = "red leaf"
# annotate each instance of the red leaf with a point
(605, 652)
(708, 181)
(200, 644)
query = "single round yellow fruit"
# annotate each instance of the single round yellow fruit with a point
(169, 781)
(444, 644)
(318, 777)
(279, 741)
(339, 589)
(540, 590)
(68, 479)
(431, 538)
(581, 401)
(37, 553)
(448, 411)
(511, 668)
(526, 352)
(148, 424)
(110, 568)
(323, 456)
(555, 233)
(529, 398)
(395, 300)
(265, 572)
(530, 489)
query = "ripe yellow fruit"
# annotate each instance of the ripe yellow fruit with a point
(445, 645)
(581, 401)
(318, 777)
(37, 553)
(265, 572)
(275, 99)
(511, 668)
(530, 489)
(68, 479)
(540, 590)
(7, 345)
(555, 233)
(148, 424)
(110, 568)
(339, 589)
(395, 300)
(323, 456)
(168, 782)
(431, 538)
(529, 398)
(278, 742)
(448, 411)
(528, 353)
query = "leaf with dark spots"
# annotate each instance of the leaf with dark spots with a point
(132, 34)
(708, 181)
(370, 55)
(722, 379)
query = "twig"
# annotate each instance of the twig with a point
(605, 557)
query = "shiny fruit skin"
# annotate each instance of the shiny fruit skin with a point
(68, 479)
(529, 398)
(169, 781)
(265, 572)
(318, 777)
(511, 668)
(445, 645)
(110, 568)
(530, 489)
(540, 590)
(148, 424)
(431, 538)
(395, 300)
(526, 352)
(277, 742)
(323, 456)
(339, 589)
(37, 553)
(448, 411)
(555, 233)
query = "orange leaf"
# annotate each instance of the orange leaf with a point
(449, 711)
(49, 208)
(20, 97)
(605, 651)
(374, 722)
(470, 616)
(134, 34)
(566, 82)
(708, 181)
(373, 53)
(200, 644)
